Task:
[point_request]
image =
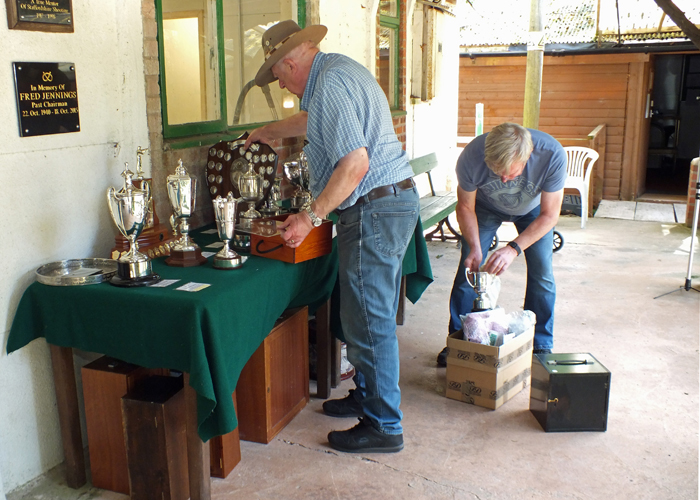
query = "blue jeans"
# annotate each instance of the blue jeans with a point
(372, 241)
(541, 291)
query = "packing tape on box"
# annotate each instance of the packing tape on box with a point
(470, 390)
(484, 359)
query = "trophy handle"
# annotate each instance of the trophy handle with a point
(110, 201)
(467, 272)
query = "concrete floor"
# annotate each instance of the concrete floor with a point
(607, 276)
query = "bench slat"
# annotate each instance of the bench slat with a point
(424, 164)
(435, 208)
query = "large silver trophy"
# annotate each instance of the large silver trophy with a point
(129, 209)
(250, 185)
(480, 282)
(296, 169)
(182, 193)
(225, 213)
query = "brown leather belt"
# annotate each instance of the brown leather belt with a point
(382, 191)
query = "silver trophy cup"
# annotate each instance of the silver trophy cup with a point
(296, 169)
(250, 185)
(480, 282)
(182, 193)
(129, 209)
(225, 213)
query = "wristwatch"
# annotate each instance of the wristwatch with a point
(315, 219)
(515, 247)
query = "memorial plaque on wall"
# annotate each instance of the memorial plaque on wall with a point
(47, 98)
(40, 15)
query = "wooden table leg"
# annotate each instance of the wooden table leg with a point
(68, 414)
(336, 356)
(324, 341)
(198, 458)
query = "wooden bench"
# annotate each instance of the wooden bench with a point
(435, 207)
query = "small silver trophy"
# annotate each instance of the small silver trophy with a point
(225, 213)
(250, 186)
(182, 193)
(481, 283)
(296, 169)
(129, 209)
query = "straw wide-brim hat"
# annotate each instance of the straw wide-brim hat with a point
(279, 40)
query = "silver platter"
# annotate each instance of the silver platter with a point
(71, 272)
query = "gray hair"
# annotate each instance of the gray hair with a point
(506, 144)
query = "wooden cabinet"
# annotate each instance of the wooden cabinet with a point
(274, 384)
(155, 431)
(105, 381)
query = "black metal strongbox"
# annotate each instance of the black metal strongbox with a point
(569, 392)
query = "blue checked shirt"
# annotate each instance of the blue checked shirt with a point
(347, 110)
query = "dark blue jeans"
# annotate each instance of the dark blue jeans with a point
(541, 291)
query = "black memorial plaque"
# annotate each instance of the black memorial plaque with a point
(44, 11)
(47, 98)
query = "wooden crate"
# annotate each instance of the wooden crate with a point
(225, 451)
(155, 431)
(105, 381)
(274, 384)
(317, 243)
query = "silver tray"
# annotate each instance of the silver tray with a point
(70, 272)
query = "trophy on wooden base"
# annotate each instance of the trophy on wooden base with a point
(129, 208)
(182, 192)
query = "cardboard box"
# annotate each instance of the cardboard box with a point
(319, 242)
(485, 375)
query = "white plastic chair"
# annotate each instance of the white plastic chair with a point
(579, 165)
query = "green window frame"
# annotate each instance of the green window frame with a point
(390, 27)
(218, 127)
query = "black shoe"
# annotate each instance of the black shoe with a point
(541, 351)
(343, 408)
(442, 357)
(364, 438)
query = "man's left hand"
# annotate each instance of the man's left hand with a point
(500, 260)
(295, 229)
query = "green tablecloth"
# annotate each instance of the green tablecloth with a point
(209, 334)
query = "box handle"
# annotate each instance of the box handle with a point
(262, 252)
(570, 362)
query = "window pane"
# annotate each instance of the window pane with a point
(245, 21)
(191, 64)
(387, 62)
(388, 8)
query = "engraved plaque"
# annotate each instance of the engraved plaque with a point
(47, 98)
(40, 15)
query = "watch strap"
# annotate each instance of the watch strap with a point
(515, 247)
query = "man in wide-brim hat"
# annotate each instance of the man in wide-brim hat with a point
(358, 168)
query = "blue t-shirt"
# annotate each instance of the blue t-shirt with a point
(545, 171)
(347, 111)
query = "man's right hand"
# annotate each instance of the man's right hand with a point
(473, 261)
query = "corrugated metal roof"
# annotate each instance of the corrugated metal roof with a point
(506, 22)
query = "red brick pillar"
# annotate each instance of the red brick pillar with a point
(692, 185)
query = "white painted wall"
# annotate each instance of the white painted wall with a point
(432, 126)
(53, 200)
(351, 29)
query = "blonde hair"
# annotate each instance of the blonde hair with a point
(506, 144)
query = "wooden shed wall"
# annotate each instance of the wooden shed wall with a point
(578, 93)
